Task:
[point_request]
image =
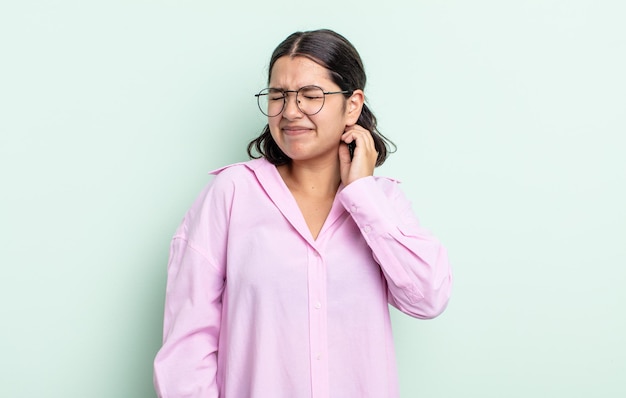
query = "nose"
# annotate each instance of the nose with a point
(291, 110)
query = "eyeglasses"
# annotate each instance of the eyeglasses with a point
(309, 99)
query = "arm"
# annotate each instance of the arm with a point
(186, 364)
(414, 263)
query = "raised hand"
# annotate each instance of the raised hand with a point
(364, 158)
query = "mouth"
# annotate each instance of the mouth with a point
(295, 130)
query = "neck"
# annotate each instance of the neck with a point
(321, 179)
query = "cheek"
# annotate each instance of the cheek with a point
(274, 129)
(334, 123)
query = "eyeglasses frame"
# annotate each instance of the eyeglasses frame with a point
(285, 92)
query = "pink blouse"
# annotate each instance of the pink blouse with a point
(256, 308)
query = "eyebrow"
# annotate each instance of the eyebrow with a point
(306, 85)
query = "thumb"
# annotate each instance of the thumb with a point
(344, 160)
(344, 153)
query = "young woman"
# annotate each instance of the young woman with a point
(281, 273)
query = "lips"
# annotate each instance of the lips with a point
(295, 130)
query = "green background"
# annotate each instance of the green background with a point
(508, 116)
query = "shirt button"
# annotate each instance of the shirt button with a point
(367, 229)
(353, 209)
(318, 357)
(318, 305)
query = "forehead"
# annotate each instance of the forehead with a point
(295, 72)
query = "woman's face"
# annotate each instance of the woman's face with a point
(309, 137)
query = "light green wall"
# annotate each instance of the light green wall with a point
(509, 117)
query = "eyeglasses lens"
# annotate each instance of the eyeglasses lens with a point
(309, 99)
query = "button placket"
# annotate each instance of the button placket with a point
(317, 321)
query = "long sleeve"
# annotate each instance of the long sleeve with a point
(186, 364)
(414, 263)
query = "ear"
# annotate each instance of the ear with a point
(354, 107)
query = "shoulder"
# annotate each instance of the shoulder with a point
(386, 181)
(233, 175)
(241, 170)
(372, 187)
(229, 182)
(236, 180)
(387, 184)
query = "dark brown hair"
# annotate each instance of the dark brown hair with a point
(335, 53)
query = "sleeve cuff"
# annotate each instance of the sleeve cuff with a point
(370, 208)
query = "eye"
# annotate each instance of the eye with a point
(276, 95)
(312, 93)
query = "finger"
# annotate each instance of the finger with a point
(344, 154)
(353, 133)
(364, 140)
